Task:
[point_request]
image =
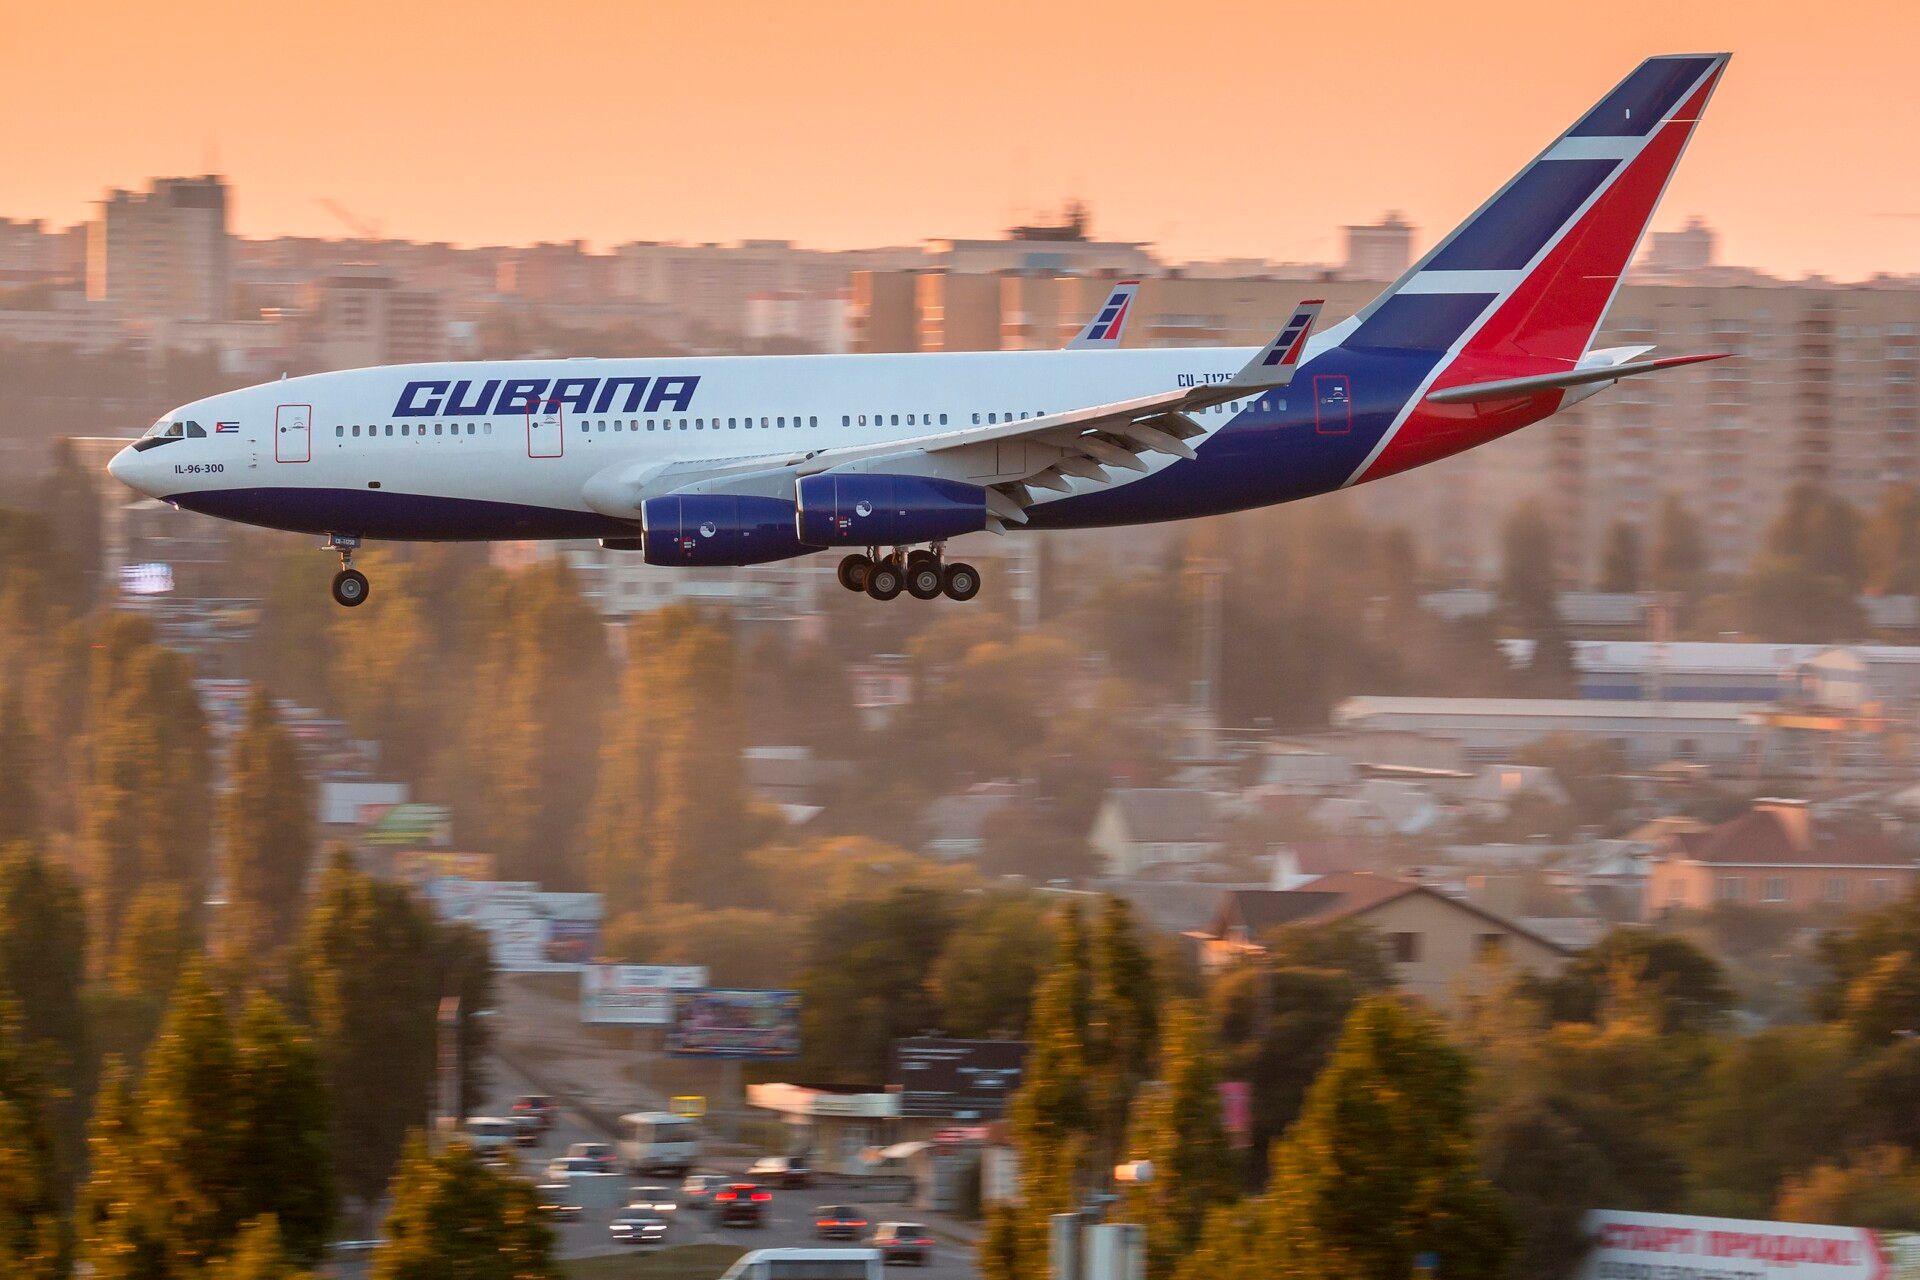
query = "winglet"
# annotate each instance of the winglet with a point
(1103, 331)
(1275, 364)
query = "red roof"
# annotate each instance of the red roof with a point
(1789, 835)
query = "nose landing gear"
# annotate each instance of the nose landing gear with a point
(925, 574)
(350, 586)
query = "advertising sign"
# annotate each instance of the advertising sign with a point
(726, 1023)
(635, 994)
(527, 931)
(418, 867)
(1668, 1246)
(956, 1079)
(410, 826)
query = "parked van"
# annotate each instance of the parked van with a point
(808, 1264)
(658, 1142)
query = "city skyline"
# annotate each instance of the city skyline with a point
(677, 124)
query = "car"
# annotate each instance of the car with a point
(781, 1171)
(641, 1230)
(555, 1203)
(487, 1134)
(526, 1129)
(904, 1242)
(696, 1189)
(560, 1168)
(658, 1201)
(600, 1153)
(838, 1222)
(539, 1106)
(741, 1204)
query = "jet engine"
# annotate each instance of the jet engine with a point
(849, 509)
(718, 529)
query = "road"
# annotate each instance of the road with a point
(789, 1223)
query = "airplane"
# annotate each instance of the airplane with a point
(736, 460)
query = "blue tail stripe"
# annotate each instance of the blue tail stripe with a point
(1516, 226)
(1642, 99)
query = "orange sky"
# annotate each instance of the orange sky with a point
(1213, 127)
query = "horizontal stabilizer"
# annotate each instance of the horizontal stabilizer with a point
(1509, 388)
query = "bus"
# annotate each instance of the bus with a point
(658, 1142)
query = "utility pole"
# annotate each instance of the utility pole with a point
(1212, 573)
(444, 1121)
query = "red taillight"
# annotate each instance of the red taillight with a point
(860, 1223)
(762, 1195)
(723, 1195)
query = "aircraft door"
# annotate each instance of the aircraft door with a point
(546, 430)
(293, 433)
(1332, 404)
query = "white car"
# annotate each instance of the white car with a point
(657, 1201)
(639, 1230)
(600, 1152)
(560, 1168)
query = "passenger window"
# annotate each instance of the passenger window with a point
(863, 419)
(356, 429)
(844, 422)
(339, 430)
(896, 420)
(943, 419)
(763, 423)
(812, 421)
(779, 422)
(993, 417)
(976, 419)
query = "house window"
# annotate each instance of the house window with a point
(1879, 890)
(1836, 889)
(1775, 889)
(1732, 888)
(1405, 947)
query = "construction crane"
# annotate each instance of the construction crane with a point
(361, 227)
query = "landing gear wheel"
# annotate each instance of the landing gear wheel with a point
(917, 558)
(924, 578)
(962, 581)
(884, 579)
(853, 572)
(350, 588)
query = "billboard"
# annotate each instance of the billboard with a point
(527, 931)
(635, 994)
(956, 1079)
(1672, 1246)
(727, 1023)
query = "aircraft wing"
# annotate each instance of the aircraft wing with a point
(1008, 459)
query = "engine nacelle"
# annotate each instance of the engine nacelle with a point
(849, 509)
(718, 529)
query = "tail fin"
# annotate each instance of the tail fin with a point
(1103, 331)
(1531, 272)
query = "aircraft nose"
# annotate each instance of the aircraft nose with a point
(125, 467)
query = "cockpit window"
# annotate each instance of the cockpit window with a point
(196, 432)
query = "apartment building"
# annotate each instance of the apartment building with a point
(163, 252)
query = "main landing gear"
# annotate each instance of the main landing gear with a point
(349, 585)
(922, 574)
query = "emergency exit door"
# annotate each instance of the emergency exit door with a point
(293, 433)
(546, 431)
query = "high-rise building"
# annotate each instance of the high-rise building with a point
(1379, 251)
(360, 315)
(165, 252)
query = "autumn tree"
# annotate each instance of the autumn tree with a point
(455, 1219)
(1177, 1126)
(1380, 1172)
(1620, 559)
(267, 821)
(33, 1230)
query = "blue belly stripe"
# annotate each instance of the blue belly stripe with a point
(387, 514)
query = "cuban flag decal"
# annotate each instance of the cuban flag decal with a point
(223, 428)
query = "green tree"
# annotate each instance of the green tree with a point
(33, 1233)
(188, 1133)
(670, 818)
(1550, 1171)
(370, 986)
(1878, 1188)
(984, 975)
(267, 831)
(866, 981)
(280, 1115)
(1380, 1168)
(454, 1219)
(1620, 560)
(259, 1253)
(1680, 560)
(1772, 1105)
(1529, 591)
(1177, 1126)
(1688, 986)
(124, 1232)
(43, 949)
(1891, 543)
(19, 781)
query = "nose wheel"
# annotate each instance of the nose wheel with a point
(350, 586)
(923, 574)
